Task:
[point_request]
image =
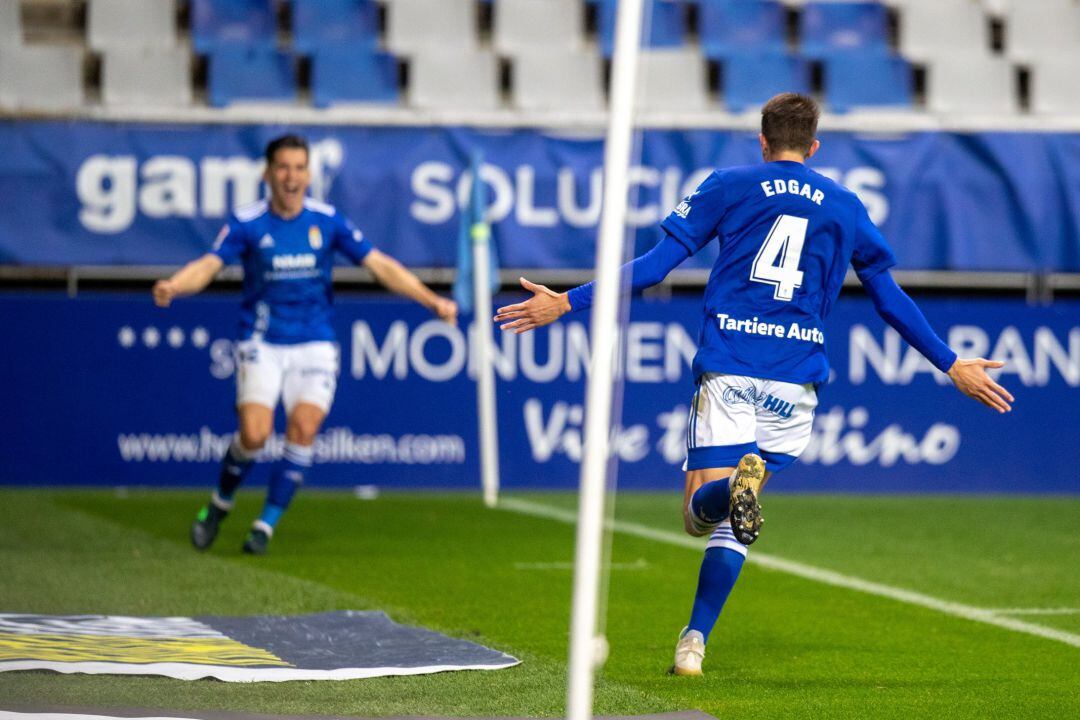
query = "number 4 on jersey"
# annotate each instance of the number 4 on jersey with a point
(777, 262)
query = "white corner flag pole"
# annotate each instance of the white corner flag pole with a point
(586, 649)
(480, 236)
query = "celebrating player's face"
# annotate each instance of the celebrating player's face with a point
(288, 176)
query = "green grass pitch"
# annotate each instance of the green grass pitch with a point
(786, 646)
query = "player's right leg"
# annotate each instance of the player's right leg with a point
(258, 386)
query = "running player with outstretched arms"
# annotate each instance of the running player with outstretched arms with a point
(286, 349)
(787, 236)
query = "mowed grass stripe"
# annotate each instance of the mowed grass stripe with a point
(808, 572)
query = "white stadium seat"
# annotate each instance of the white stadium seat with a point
(418, 25)
(1037, 29)
(146, 76)
(10, 23)
(42, 77)
(557, 79)
(929, 28)
(672, 80)
(522, 25)
(1055, 85)
(113, 23)
(453, 80)
(971, 83)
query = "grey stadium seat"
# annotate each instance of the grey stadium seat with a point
(558, 79)
(1055, 88)
(41, 77)
(522, 25)
(672, 80)
(10, 23)
(146, 76)
(417, 25)
(1037, 29)
(453, 80)
(929, 28)
(112, 23)
(975, 83)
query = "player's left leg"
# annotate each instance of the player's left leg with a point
(310, 382)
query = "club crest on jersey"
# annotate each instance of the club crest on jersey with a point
(314, 236)
(267, 241)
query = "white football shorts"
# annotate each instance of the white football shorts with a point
(732, 415)
(294, 374)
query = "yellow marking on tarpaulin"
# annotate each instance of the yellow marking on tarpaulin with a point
(101, 648)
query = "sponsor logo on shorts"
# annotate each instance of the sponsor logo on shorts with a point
(748, 396)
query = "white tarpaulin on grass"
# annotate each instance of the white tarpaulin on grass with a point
(326, 646)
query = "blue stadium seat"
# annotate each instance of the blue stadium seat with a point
(320, 22)
(871, 80)
(731, 26)
(751, 78)
(838, 27)
(353, 74)
(255, 73)
(666, 23)
(217, 23)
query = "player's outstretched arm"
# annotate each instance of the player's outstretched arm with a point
(543, 308)
(970, 378)
(398, 279)
(188, 280)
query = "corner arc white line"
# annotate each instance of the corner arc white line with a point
(808, 572)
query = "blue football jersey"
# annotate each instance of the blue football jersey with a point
(288, 289)
(787, 235)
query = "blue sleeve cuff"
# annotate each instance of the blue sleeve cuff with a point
(580, 297)
(901, 312)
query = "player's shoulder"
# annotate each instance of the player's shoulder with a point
(320, 208)
(836, 189)
(251, 212)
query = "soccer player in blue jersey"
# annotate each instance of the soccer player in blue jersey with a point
(286, 349)
(787, 236)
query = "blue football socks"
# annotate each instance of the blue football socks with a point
(285, 478)
(710, 502)
(719, 571)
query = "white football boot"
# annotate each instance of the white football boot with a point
(745, 514)
(689, 653)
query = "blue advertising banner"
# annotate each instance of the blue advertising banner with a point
(109, 390)
(142, 193)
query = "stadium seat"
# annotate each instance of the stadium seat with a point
(134, 76)
(558, 79)
(115, 23)
(258, 74)
(41, 77)
(356, 73)
(526, 25)
(666, 24)
(1054, 86)
(316, 23)
(726, 27)
(453, 80)
(419, 25)
(929, 28)
(871, 80)
(672, 79)
(1041, 29)
(976, 83)
(10, 23)
(840, 27)
(219, 23)
(750, 79)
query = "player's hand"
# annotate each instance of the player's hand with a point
(543, 308)
(164, 291)
(970, 378)
(446, 310)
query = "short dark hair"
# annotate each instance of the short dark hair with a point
(789, 122)
(285, 141)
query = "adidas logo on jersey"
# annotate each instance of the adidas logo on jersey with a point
(266, 241)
